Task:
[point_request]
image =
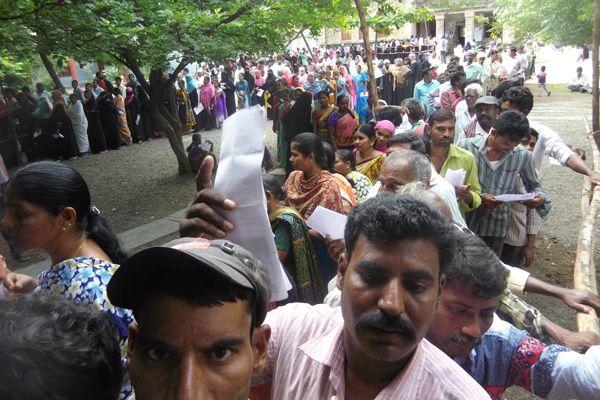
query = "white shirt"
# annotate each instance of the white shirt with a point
(549, 143)
(463, 118)
(445, 190)
(576, 376)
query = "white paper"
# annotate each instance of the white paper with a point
(239, 179)
(455, 177)
(514, 197)
(553, 161)
(374, 190)
(198, 109)
(259, 92)
(327, 222)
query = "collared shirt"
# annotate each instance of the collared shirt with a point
(507, 356)
(422, 90)
(462, 159)
(500, 180)
(549, 143)
(445, 190)
(450, 98)
(476, 71)
(306, 360)
(463, 118)
(523, 221)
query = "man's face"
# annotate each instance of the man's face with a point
(389, 295)
(74, 84)
(182, 351)
(501, 143)
(461, 318)
(442, 133)
(471, 97)
(395, 174)
(427, 77)
(529, 142)
(486, 115)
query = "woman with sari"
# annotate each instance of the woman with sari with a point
(345, 165)
(220, 103)
(124, 134)
(368, 160)
(296, 121)
(350, 85)
(184, 108)
(294, 246)
(207, 98)
(362, 94)
(342, 124)
(282, 108)
(320, 115)
(309, 186)
(259, 83)
(400, 82)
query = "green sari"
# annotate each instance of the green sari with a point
(303, 266)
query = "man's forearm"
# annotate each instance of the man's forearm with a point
(534, 285)
(578, 165)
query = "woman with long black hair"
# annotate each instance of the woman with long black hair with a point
(48, 207)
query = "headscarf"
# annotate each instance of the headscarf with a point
(129, 95)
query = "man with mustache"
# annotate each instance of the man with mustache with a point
(486, 112)
(495, 353)
(372, 346)
(444, 155)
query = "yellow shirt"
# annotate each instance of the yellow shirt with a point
(459, 158)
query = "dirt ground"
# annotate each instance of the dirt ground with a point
(138, 184)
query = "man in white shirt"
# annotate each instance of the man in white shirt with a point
(580, 82)
(549, 142)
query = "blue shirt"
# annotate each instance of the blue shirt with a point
(422, 89)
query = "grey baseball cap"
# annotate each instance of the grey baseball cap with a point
(231, 261)
(490, 100)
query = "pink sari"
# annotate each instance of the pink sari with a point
(207, 95)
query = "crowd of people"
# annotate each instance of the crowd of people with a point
(419, 300)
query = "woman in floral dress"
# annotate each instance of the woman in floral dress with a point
(48, 207)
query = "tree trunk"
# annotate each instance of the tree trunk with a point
(308, 46)
(163, 107)
(364, 28)
(596, 91)
(51, 71)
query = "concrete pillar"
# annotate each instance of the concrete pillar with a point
(469, 26)
(440, 28)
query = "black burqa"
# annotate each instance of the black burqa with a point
(229, 90)
(296, 121)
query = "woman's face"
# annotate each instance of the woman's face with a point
(27, 226)
(324, 100)
(362, 141)
(299, 161)
(382, 136)
(340, 166)
(295, 79)
(343, 104)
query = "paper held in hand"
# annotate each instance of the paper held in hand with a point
(327, 222)
(455, 177)
(239, 179)
(198, 109)
(514, 197)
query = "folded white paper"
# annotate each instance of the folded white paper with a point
(455, 177)
(327, 222)
(198, 109)
(514, 197)
(239, 179)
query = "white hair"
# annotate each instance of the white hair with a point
(476, 87)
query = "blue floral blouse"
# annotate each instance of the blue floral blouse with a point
(83, 280)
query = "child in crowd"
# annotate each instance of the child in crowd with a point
(542, 81)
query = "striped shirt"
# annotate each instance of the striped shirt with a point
(306, 360)
(522, 221)
(502, 179)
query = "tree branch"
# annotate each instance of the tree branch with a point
(241, 11)
(184, 61)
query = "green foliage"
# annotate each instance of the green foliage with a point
(13, 73)
(564, 22)
(383, 16)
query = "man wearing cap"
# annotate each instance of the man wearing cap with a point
(444, 156)
(199, 307)
(486, 112)
(373, 345)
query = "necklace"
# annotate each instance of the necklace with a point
(80, 246)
